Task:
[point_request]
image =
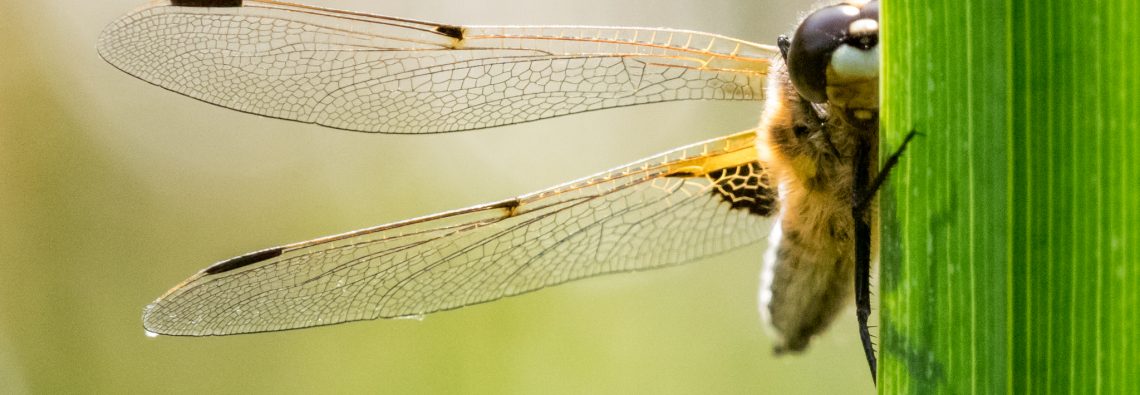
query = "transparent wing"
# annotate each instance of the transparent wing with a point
(685, 204)
(374, 73)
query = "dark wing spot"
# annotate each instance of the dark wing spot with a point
(746, 187)
(452, 31)
(510, 207)
(206, 3)
(244, 260)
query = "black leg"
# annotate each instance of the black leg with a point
(869, 193)
(863, 290)
(783, 43)
(862, 197)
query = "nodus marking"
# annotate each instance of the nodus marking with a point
(511, 207)
(452, 31)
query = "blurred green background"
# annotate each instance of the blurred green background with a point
(112, 190)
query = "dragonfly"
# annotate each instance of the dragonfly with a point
(803, 180)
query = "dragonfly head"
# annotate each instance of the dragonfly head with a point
(834, 58)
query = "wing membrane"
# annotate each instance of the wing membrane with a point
(681, 205)
(373, 73)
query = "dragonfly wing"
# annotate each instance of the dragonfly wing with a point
(374, 73)
(681, 205)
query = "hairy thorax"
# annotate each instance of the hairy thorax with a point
(809, 268)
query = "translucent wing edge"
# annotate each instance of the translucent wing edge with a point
(718, 44)
(694, 160)
(669, 48)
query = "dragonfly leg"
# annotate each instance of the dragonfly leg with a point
(863, 243)
(784, 43)
(863, 287)
(869, 193)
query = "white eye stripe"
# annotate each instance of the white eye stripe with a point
(863, 27)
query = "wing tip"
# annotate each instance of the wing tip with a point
(244, 260)
(206, 3)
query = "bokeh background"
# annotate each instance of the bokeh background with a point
(112, 190)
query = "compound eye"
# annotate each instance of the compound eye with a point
(818, 36)
(871, 10)
(863, 33)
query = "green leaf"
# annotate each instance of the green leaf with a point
(1010, 243)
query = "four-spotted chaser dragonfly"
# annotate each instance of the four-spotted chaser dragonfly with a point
(807, 168)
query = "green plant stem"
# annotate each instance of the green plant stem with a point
(1010, 243)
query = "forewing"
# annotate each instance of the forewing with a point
(373, 73)
(678, 206)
